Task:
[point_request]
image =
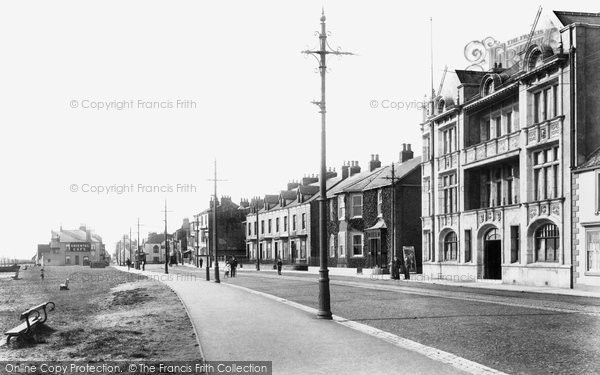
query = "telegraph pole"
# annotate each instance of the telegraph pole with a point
(321, 56)
(130, 257)
(393, 217)
(138, 244)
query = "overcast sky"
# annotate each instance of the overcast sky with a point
(240, 63)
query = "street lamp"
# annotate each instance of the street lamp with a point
(197, 239)
(257, 227)
(324, 311)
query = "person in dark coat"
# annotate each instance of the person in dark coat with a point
(404, 270)
(395, 269)
(234, 264)
(201, 261)
(128, 264)
(279, 266)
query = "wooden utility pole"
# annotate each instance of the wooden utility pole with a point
(393, 216)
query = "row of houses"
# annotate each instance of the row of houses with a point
(193, 239)
(364, 223)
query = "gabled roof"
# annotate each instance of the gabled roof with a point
(271, 198)
(400, 171)
(567, 18)
(289, 195)
(308, 189)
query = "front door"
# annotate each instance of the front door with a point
(375, 252)
(493, 260)
(76, 260)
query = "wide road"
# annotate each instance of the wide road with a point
(509, 331)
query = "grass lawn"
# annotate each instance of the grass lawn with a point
(105, 315)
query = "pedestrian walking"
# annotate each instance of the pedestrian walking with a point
(143, 264)
(128, 264)
(227, 269)
(404, 270)
(42, 273)
(201, 261)
(234, 264)
(279, 265)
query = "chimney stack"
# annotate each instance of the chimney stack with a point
(331, 173)
(354, 168)
(345, 171)
(374, 163)
(292, 185)
(406, 153)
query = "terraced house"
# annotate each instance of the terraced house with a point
(359, 217)
(498, 151)
(375, 212)
(287, 225)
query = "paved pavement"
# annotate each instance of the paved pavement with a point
(234, 323)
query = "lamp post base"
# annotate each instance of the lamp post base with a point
(324, 311)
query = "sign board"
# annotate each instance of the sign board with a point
(409, 258)
(78, 246)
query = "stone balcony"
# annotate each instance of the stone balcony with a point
(448, 161)
(545, 131)
(491, 148)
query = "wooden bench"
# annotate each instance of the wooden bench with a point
(65, 286)
(32, 318)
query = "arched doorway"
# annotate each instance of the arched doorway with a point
(492, 255)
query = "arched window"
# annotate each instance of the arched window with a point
(155, 249)
(450, 247)
(547, 243)
(492, 235)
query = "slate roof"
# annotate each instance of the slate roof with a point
(352, 180)
(77, 235)
(470, 76)
(400, 171)
(567, 18)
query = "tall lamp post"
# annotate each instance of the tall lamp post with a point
(257, 227)
(214, 225)
(324, 311)
(166, 241)
(197, 239)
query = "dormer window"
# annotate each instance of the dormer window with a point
(489, 87)
(440, 106)
(535, 59)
